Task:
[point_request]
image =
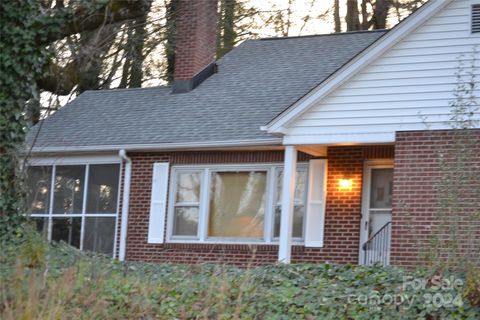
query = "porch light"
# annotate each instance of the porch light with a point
(345, 184)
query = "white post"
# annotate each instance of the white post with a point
(288, 195)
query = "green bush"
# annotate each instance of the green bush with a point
(58, 282)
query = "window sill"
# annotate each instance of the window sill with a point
(230, 242)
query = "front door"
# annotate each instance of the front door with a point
(376, 213)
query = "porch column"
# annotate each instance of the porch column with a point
(288, 195)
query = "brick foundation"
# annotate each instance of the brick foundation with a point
(436, 194)
(341, 242)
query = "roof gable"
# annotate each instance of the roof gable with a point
(355, 65)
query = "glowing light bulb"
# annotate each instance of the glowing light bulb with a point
(346, 183)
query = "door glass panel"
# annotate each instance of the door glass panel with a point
(381, 188)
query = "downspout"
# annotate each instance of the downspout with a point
(125, 203)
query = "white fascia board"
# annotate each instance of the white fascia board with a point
(36, 160)
(339, 139)
(162, 146)
(352, 68)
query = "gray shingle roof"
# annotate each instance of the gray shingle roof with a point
(255, 82)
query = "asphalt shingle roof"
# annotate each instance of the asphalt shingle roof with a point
(255, 82)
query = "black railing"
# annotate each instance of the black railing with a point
(377, 248)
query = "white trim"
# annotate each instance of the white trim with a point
(74, 215)
(288, 199)
(269, 221)
(172, 202)
(74, 160)
(50, 209)
(203, 211)
(205, 170)
(357, 138)
(84, 206)
(85, 161)
(363, 59)
(162, 146)
(125, 204)
(117, 226)
(366, 184)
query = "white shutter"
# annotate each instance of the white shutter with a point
(315, 220)
(158, 204)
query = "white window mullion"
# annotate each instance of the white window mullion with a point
(270, 210)
(84, 205)
(203, 212)
(117, 226)
(50, 209)
(171, 202)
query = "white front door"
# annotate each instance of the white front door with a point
(376, 213)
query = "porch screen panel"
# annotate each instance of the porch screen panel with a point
(39, 185)
(237, 204)
(68, 192)
(103, 188)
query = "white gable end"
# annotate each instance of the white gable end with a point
(409, 87)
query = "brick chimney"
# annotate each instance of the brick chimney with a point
(196, 31)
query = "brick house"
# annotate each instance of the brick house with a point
(358, 126)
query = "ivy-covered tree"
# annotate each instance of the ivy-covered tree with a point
(28, 30)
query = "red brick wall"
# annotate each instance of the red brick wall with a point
(436, 193)
(342, 214)
(196, 29)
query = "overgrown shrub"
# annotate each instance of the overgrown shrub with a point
(62, 282)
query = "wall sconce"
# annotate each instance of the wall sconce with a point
(345, 183)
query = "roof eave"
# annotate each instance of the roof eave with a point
(161, 146)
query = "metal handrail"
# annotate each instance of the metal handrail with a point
(377, 247)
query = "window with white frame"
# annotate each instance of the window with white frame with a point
(232, 203)
(77, 204)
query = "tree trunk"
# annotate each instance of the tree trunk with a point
(336, 16)
(125, 81)
(90, 56)
(170, 29)
(365, 21)
(226, 34)
(136, 72)
(353, 22)
(380, 14)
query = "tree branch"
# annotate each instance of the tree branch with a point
(88, 17)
